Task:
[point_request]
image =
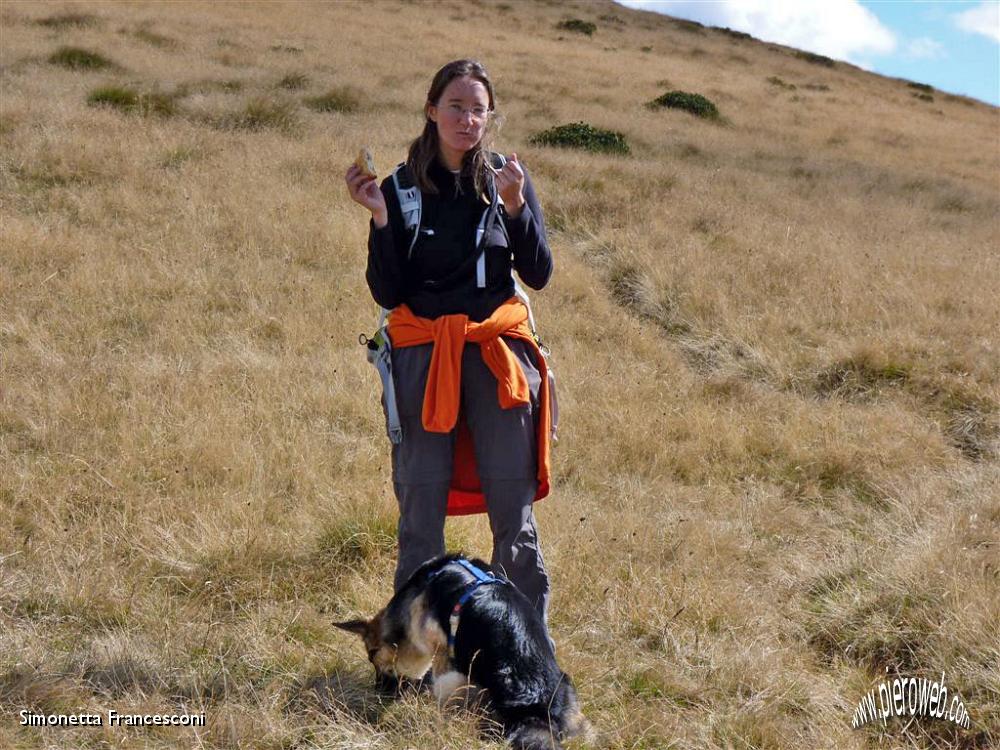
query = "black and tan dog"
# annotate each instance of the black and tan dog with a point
(483, 641)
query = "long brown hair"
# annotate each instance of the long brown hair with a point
(424, 150)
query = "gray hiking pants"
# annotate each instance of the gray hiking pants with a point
(505, 445)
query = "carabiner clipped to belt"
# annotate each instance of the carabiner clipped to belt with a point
(379, 353)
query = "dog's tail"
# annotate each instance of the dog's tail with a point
(532, 733)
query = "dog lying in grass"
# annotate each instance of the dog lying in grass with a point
(483, 642)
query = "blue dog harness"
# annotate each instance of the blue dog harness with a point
(482, 578)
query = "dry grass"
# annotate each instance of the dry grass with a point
(776, 342)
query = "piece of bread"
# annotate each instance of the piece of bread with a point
(365, 162)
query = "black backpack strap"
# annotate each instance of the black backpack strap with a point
(410, 201)
(497, 161)
(404, 176)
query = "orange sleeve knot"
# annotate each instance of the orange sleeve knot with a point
(449, 333)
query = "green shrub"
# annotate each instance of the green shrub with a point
(921, 86)
(815, 59)
(79, 59)
(335, 100)
(128, 100)
(584, 136)
(692, 27)
(733, 33)
(575, 24)
(696, 104)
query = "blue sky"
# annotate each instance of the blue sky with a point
(953, 46)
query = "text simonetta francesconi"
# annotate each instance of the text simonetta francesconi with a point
(111, 718)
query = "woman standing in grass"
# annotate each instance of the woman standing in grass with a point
(463, 353)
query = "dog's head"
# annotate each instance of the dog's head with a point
(381, 654)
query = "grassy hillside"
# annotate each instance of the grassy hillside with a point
(775, 334)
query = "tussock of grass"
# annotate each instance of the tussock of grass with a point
(179, 156)
(119, 676)
(230, 86)
(69, 20)
(816, 480)
(341, 99)
(881, 628)
(157, 40)
(261, 113)
(696, 104)
(776, 81)
(76, 58)
(971, 421)
(129, 100)
(653, 685)
(954, 202)
(356, 539)
(628, 286)
(689, 151)
(583, 136)
(294, 81)
(52, 170)
(861, 376)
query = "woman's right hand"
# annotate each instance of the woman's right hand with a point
(365, 190)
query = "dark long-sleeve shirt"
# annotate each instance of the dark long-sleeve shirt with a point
(439, 278)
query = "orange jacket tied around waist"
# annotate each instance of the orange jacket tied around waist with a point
(449, 334)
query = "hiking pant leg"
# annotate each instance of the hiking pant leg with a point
(516, 551)
(505, 442)
(421, 467)
(421, 526)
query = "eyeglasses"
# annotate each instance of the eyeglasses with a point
(478, 113)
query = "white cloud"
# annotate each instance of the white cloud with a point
(983, 19)
(924, 48)
(842, 29)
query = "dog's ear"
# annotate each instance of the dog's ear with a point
(354, 626)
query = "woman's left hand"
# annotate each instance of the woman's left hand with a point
(510, 185)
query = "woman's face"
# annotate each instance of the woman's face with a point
(460, 115)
